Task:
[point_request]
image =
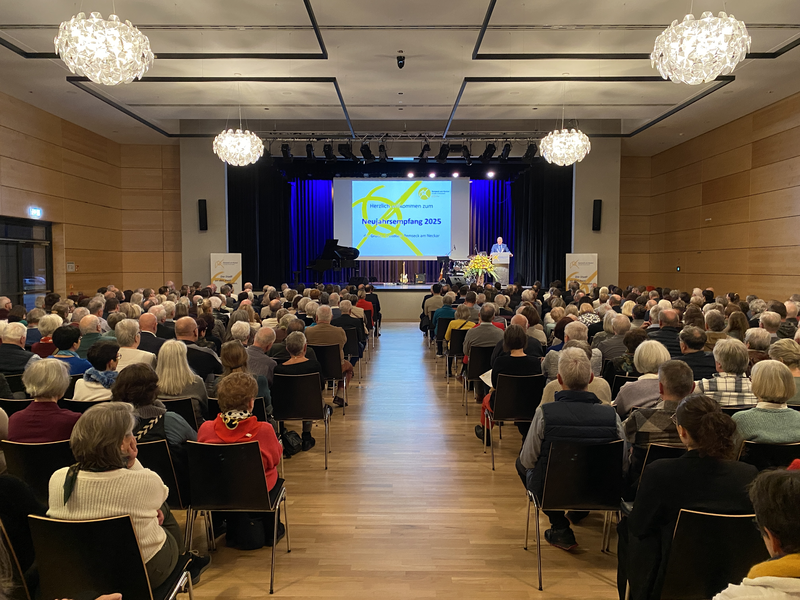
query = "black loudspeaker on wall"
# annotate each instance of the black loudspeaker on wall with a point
(202, 214)
(597, 211)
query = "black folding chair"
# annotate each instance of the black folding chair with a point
(299, 398)
(732, 410)
(184, 407)
(85, 559)
(259, 409)
(657, 452)
(18, 584)
(442, 323)
(351, 348)
(699, 566)
(78, 406)
(516, 399)
(230, 477)
(156, 456)
(213, 408)
(328, 356)
(16, 386)
(71, 388)
(619, 381)
(579, 477)
(455, 349)
(480, 361)
(766, 456)
(12, 406)
(35, 464)
(370, 327)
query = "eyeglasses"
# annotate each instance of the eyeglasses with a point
(674, 418)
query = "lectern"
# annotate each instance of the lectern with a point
(500, 261)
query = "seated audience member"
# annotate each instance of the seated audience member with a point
(482, 336)
(771, 321)
(623, 365)
(176, 379)
(90, 334)
(278, 350)
(97, 380)
(715, 329)
(432, 304)
(258, 361)
(128, 338)
(324, 334)
(501, 301)
(612, 347)
(668, 331)
(639, 313)
(576, 416)
(513, 361)
(644, 392)
(737, 325)
(47, 325)
(109, 481)
(345, 320)
(693, 341)
(600, 332)
(707, 478)
(535, 329)
(757, 341)
(574, 330)
(598, 386)
(445, 311)
(14, 359)
(654, 425)
(532, 348)
(788, 352)
(67, 339)
(771, 421)
(236, 424)
(32, 322)
(111, 333)
(235, 360)
(241, 332)
(148, 341)
(300, 364)
(729, 386)
(776, 501)
(43, 421)
(203, 361)
(587, 316)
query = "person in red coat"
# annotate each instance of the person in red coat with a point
(236, 423)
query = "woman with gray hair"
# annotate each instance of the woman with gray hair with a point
(729, 386)
(644, 392)
(241, 332)
(108, 480)
(43, 421)
(47, 325)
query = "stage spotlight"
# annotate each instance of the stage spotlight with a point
(488, 153)
(310, 152)
(490, 174)
(410, 175)
(444, 151)
(330, 157)
(384, 156)
(465, 155)
(369, 157)
(346, 150)
(455, 174)
(423, 156)
(286, 151)
(505, 152)
(530, 153)
(432, 175)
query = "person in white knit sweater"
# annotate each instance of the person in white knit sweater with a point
(109, 481)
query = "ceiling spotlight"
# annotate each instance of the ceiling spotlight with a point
(286, 151)
(465, 155)
(346, 150)
(505, 152)
(490, 174)
(369, 157)
(432, 175)
(455, 174)
(410, 175)
(384, 156)
(310, 152)
(530, 153)
(488, 153)
(423, 156)
(330, 157)
(444, 150)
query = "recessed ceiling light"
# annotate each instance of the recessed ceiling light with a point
(286, 93)
(534, 108)
(399, 93)
(513, 93)
(490, 174)
(399, 109)
(410, 174)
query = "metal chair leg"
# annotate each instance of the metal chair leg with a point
(327, 441)
(538, 548)
(286, 521)
(210, 529)
(489, 423)
(466, 397)
(485, 429)
(189, 589)
(274, 542)
(188, 529)
(528, 519)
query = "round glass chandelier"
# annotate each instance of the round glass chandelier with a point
(238, 147)
(107, 52)
(698, 51)
(565, 147)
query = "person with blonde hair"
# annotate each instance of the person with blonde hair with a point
(43, 421)
(177, 380)
(771, 421)
(788, 352)
(627, 308)
(644, 392)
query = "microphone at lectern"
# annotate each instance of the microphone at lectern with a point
(475, 247)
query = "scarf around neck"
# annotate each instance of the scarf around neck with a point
(66, 353)
(104, 378)
(232, 418)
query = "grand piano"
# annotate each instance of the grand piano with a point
(334, 257)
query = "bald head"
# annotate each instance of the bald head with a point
(148, 322)
(264, 338)
(186, 329)
(520, 320)
(669, 318)
(89, 324)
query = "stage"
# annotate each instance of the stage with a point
(401, 302)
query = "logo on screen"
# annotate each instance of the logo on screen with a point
(424, 193)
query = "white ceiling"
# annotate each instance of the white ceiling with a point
(437, 37)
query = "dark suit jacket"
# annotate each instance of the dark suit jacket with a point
(164, 332)
(350, 321)
(669, 337)
(702, 364)
(202, 361)
(668, 485)
(150, 343)
(373, 298)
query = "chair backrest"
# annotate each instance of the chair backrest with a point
(260, 409)
(765, 456)
(518, 396)
(184, 407)
(619, 381)
(441, 327)
(658, 451)
(227, 477)
(19, 591)
(78, 406)
(297, 397)
(15, 383)
(213, 408)
(328, 357)
(85, 559)
(457, 342)
(368, 318)
(156, 457)
(732, 410)
(71, 387)
(12, 406)
(480, 361)
(35, 463)
(583, 476)
(699, 566)
(351, 347)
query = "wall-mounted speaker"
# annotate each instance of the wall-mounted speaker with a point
(202, 214)
(597, 211)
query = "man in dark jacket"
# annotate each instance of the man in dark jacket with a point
(670, 327)
(576, 416)
(692, 341)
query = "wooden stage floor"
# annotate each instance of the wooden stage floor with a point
(409, 507)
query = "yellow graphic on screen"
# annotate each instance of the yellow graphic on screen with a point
(393, 212)
(424, 193)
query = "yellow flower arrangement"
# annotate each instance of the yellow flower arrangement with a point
(480, 265)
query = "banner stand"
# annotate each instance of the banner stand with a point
(226, 269)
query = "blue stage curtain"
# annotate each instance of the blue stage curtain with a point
(491, 216)
(311, 224)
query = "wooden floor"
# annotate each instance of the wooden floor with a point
(409, 506)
